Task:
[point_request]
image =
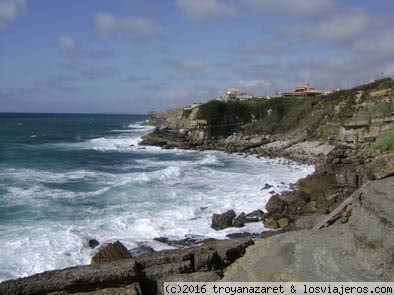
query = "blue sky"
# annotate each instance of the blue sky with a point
(135, 56)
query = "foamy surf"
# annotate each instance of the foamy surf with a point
(110, 188)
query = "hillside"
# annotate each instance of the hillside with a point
(364, 114)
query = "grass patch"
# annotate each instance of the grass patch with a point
(385, 142)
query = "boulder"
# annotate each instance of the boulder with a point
(270, 223)
(256, 215)
(111, 252)
(222, 221)
(283, 222)
(275, 205)
(93, 243)
(240, 220)
(267, 186)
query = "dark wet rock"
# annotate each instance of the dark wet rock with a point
(141, 250)
(93, 243)
(240, 220)
(111, 252)
(222, 221)
(256, 215)
(187, 242)
(272, 192)
(243, 235)
(267, 186)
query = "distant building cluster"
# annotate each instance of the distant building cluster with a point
(302, 90)
(306, 90)
(235, 94)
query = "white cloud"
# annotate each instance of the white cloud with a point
(337, 28)
(199, 9)
(290, 7)
(73, 50)
(106, 24)
(66, 43)
(10, 10)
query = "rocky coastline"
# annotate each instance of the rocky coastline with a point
(334, 225)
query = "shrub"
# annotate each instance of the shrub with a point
(385, 142)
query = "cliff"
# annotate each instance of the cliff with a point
(362, 115)
(348, 135)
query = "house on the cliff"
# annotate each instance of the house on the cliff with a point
(302, 91)
(235, 94)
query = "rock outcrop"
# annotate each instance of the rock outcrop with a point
(111, 252)
(360, 250)
(140, 275)
(224, 220)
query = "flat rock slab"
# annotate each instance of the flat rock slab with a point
(74, 279)
(361, 250)
(300, 256)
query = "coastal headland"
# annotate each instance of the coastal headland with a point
(336, 224)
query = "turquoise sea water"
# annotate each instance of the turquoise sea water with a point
(67, 178)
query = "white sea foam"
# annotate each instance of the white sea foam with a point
(170, 193)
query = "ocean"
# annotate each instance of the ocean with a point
(65, 179)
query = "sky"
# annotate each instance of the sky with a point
(136, 56)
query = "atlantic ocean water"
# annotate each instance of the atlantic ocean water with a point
(65, 179)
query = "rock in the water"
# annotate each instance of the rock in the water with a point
(111, 252)
(271, 223)
(254, 216)
(267, 186)
(283, 222)
(224, 220)
(141, 250)
(240, 220)
(93, 243)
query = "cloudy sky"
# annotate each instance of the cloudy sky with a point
(134, 56)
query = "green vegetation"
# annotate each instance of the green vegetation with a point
(376, 85)
(186, 113)
(385, 142)
(318, 117)
(280, 115)
(224, 117)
